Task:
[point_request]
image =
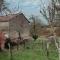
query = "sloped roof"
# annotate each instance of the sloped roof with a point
(7, 18)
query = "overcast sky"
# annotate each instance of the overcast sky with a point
(28, 7)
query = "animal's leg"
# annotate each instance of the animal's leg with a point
(2, 46)
(47, 49)
(47, 45)
(17, 45)
(56, 44)
(55, 40)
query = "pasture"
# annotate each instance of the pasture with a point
(36, 51)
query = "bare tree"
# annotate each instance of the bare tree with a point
(3, 7)
(49, 15)
(1, 4)
(34, 26)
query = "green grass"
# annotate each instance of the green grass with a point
(36, 52)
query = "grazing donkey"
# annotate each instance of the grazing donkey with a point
(51, 39)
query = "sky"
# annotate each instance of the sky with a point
(28, 7)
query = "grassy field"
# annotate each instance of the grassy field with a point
(36, 52)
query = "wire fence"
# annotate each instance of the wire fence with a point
(33, 50)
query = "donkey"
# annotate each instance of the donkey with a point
(52, 39)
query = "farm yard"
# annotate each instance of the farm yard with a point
(30, 30)
(36, 51)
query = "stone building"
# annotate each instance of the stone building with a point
(13, 24)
